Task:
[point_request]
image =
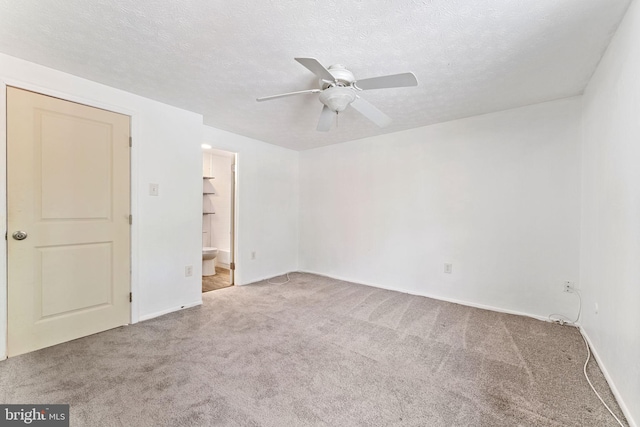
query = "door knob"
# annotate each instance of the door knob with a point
(20, 235)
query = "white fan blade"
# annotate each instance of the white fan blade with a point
(326, 119)
(383, 82)
(371, 112)
(316, 68)
(267, 98)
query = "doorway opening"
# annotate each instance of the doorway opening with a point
(218, 225)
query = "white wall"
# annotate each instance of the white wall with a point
(267, 216)
(495, 195)
(167, 229)
(610, 252)
(170, 225)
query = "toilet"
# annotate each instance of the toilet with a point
(209, 261)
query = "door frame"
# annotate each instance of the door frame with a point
(234, 222)
(134, 194)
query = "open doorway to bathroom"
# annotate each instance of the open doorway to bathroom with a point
(218, 200)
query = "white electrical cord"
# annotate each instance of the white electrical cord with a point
(281, 283)
(584, 369)
(563, 320)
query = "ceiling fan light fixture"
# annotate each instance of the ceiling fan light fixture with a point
(337, 98)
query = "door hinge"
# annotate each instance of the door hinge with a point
(232, 266)
(6, 235)
(130, 219)
(130, 296)
(130, 142)
(233, 168)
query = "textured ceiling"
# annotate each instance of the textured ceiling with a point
(216, 56)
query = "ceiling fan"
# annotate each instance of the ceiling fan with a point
(339, 89)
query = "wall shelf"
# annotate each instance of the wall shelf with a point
(207, 186)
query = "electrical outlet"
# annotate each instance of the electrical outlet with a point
(568, 286)
(596, 308)
(448, 268)
(253, 255)
(188, 271)
(154, 189)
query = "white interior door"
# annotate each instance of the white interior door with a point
(68, 191)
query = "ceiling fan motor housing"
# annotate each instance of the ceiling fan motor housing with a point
(342, 76)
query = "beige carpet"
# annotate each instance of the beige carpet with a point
(317, 352)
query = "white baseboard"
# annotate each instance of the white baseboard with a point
(437, 297)
(271, 277)
(169, 310)
(612, 386)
